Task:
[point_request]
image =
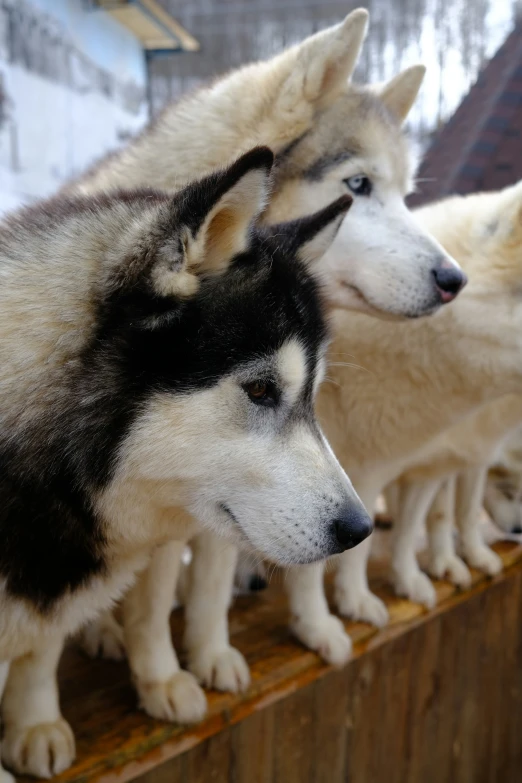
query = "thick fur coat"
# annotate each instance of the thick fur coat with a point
(157, 351)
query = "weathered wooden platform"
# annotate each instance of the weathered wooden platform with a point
(434, 697)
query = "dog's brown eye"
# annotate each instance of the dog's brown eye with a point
(261, 392)
(257, 389)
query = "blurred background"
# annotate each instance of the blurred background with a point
(79, 77)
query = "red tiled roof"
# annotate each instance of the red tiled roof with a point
(480, 147)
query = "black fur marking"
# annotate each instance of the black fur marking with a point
(298, 232)
(52, 541)
(284, 154)
(320, 167)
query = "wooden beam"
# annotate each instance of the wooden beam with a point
(434, 690)
(151, 24)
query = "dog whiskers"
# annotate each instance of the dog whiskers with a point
(327, 379)
(350, 364)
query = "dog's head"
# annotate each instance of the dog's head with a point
(382, 261)
(220, 335)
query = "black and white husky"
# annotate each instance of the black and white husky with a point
(156, 351)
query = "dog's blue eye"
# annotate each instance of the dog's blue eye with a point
(262, 392)
(360, 185)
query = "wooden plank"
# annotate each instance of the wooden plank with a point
(253, 748)
(294, 746)
(500, 679)
(423, 700)
(460, 717)
(514, 757)
(395, 683)
(117, 742)
(210, 761)
(173, 771)
(361, 751)
(332, 723)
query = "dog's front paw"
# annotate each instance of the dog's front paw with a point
(179, 699)
(361, 605)
(103, 638)
(449, 566)
(43, 750)
(327, 637)
(484, 559)
(224, 669)
(415, 586)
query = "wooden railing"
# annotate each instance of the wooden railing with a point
(433, 697)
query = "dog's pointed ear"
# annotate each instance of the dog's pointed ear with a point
(399, 94)
(209, 223)
(325, 61)
(309, 237)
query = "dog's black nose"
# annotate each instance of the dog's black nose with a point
(351, 526)
(449, 281)
(516, 529)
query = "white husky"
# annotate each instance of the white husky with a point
(452, 469)
(421, 379)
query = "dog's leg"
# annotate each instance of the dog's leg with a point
(37, 740)
(353, 596)
(311, 620)
(164, 690)
(103, 638)
(210, 582)
(409, 581)
(443, 561)
(470, 495)
(5, 777)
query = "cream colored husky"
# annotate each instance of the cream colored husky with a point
(421, 379)
(448, 482)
